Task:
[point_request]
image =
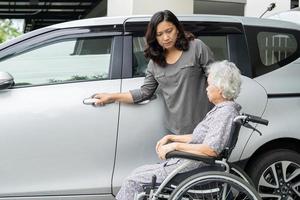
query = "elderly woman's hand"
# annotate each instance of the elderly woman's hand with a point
(163, 141)
(164, 149)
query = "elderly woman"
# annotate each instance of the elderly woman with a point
(209, 137)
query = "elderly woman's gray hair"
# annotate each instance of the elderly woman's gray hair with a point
(227, 77)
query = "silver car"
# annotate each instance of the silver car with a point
(53, 146)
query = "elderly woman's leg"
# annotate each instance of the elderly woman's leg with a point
(139, 177)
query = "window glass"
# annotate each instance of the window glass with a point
(275, 47)
(61, 61)
(139, 62)
(218, 45)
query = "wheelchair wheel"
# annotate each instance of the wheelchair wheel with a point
(214, 186)
(236, 170)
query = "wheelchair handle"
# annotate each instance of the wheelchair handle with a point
(251, 118)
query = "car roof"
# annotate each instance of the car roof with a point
(119, 20)
(290, 15)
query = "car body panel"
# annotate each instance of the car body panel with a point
(280, 124)
(276, 82)
(140, 127)
(55, 141)
(250, 89)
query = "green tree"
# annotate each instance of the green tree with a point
(7, 31)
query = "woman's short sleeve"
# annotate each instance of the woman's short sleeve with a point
(203, 54)
(148, 88)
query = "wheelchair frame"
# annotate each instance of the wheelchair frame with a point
(230, 174)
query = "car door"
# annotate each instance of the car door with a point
(140, 126)
(50, 142)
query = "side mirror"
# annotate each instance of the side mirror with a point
(6, 80)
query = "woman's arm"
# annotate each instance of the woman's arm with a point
(104, 98)
(133, 96)
(150, 85)
(198, 149)
(172, 138)
(215, 138)
(204, 54)
(180, 138)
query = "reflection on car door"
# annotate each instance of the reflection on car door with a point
(59, 146)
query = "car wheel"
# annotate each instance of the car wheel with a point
(276, 174)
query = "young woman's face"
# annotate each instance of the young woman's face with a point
(214, 94)
(166, 34)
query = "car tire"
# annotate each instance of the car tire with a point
(276, 174)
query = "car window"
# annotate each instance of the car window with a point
(61, 61)
(274, 47)
(218, 45)
(271, 48)
(139, 62)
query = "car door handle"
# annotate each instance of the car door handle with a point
(154, 96)
(89, 101)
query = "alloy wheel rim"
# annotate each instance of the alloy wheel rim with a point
(280, 181)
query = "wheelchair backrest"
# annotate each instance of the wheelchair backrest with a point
(233, 137)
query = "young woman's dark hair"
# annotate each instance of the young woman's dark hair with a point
(153, 50)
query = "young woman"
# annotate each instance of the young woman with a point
(209, 137)
(177, 66)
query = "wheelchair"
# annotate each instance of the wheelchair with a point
(219, 180)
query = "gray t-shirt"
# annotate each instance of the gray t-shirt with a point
(182, 86)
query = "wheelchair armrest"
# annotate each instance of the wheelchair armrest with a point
(190, 156)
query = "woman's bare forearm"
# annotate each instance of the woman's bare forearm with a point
(198, 149)
(105, 98)
(180, 138)
(125, 97)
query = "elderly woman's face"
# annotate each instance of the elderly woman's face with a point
(214, 94)
(166, 34)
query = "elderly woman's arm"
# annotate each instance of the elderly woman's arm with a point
(180, 138)
(173, 138)
(198, 149)
(214, 141)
